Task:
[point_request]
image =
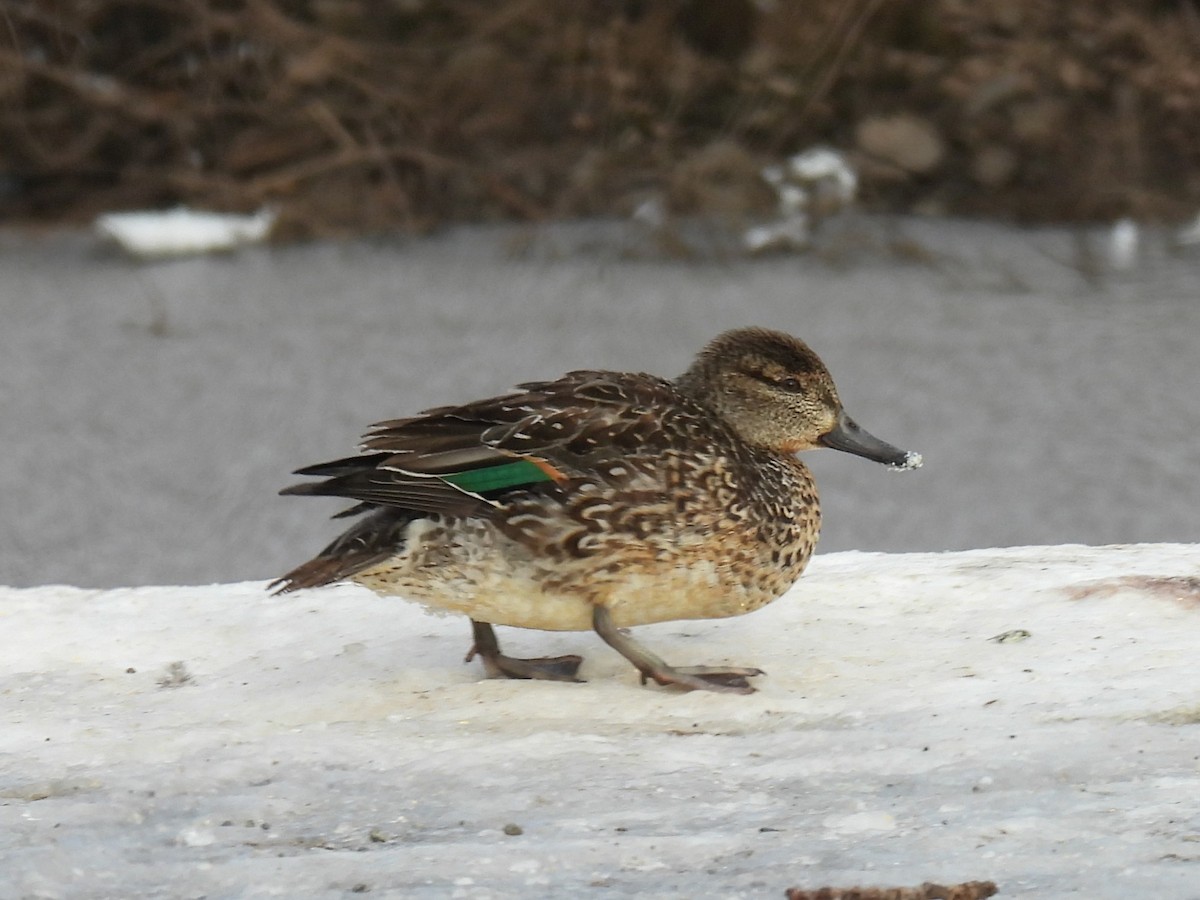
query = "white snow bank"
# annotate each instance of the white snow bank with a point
(182, 231)
(329, 742)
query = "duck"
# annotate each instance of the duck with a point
(600, 501)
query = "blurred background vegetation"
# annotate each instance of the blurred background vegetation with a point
(354, 116)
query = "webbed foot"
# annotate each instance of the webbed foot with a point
(497, 665)
(729, 680)
(722, 679)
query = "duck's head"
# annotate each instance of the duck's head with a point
(776, 393)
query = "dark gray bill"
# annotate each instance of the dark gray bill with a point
(847, 436)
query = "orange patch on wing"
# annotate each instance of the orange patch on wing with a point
(546, 467)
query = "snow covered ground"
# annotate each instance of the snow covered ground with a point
(1029, 716)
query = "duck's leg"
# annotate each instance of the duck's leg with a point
(730, 680)
(497, 665)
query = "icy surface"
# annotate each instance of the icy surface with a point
(1030, 716)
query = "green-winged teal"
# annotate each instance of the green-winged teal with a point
(601, 500)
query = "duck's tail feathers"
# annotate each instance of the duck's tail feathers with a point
(368, 542)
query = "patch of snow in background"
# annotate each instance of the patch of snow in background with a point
(1029, 716)
(1124, 240)
(182, 231)
(811, 186)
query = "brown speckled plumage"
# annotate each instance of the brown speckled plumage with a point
(618, 499)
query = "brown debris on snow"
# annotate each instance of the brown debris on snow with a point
(969, 890)
(1183, 589)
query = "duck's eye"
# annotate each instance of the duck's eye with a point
(780, 382)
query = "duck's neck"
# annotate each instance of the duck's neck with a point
(696, 385)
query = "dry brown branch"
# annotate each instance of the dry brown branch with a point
(839, 42)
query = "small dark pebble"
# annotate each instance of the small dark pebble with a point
(359, 889)
(511, 829)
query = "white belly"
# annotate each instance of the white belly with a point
(482, 574)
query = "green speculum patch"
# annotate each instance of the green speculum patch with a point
(498, 477)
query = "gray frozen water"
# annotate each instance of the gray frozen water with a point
(151, 410)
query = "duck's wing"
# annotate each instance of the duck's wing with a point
(461, 460)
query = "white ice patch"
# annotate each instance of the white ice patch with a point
(788, 233)
(1123, 243)
(811, 186)
(182, 231)
(822, 164)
